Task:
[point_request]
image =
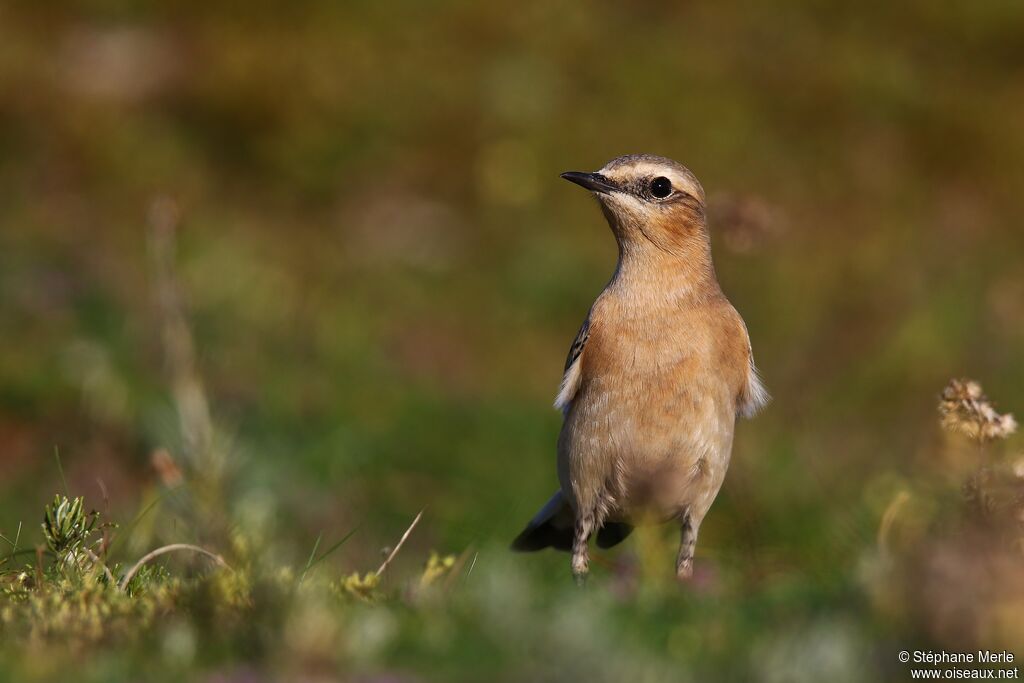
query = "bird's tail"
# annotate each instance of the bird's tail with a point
(552, 527)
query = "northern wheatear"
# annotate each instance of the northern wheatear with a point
(655, 378)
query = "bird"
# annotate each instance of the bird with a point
(654, 380)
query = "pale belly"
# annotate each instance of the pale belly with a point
(646, 451)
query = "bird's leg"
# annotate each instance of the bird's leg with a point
(581, 548)
(687, 541)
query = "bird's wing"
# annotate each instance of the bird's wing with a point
(571, 374)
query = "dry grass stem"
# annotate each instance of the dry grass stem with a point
(398, 546)
(174, 547)
(189, 394)
(96, 560)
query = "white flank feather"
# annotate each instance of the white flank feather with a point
(756, 396)
(570, 384)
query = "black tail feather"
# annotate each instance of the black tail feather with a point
(612, 534)
(547, 535)
(543, 535)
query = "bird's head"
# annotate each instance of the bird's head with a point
(648, 198)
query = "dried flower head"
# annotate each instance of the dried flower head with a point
(965, 409)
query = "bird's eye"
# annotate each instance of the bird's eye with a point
(661, 187)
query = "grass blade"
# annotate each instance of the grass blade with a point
(60, 468)
(312, 554)
(328, 552)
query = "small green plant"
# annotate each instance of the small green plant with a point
(437, 568)
(67, 529)
(360, 586)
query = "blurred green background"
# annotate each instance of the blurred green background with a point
(383, 271)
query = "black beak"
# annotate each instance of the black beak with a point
(595, 182)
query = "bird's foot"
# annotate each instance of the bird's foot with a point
(580, 570)
(684, 569)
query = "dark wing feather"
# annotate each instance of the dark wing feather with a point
(577, 345)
